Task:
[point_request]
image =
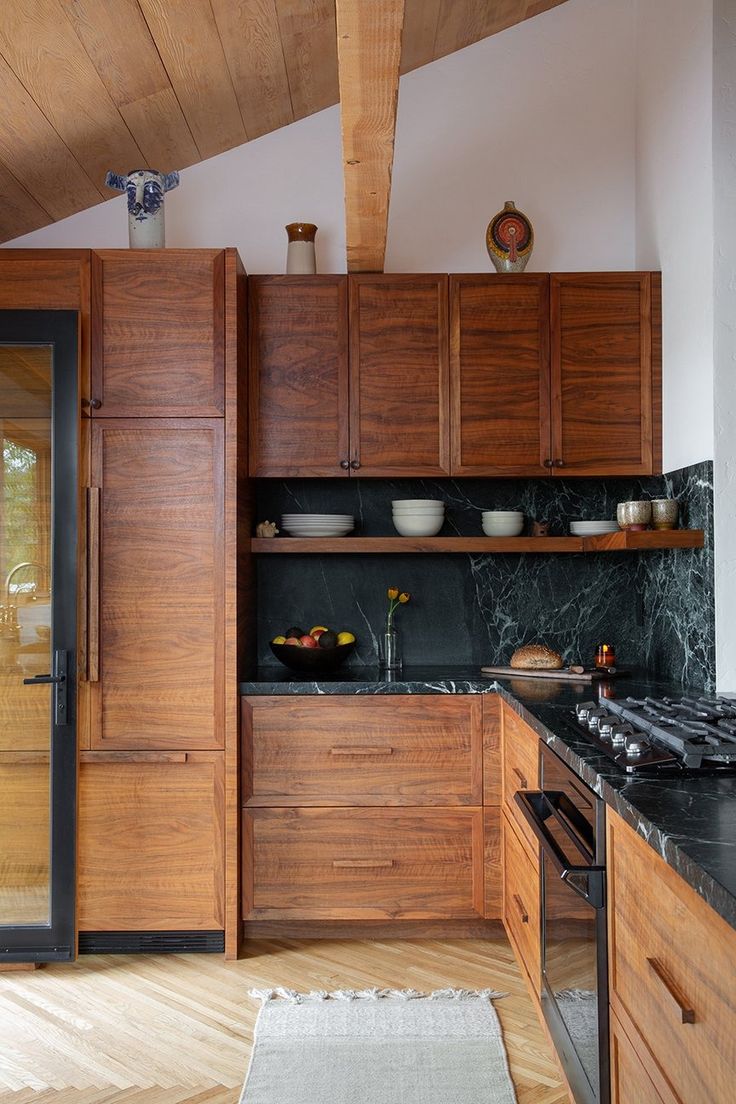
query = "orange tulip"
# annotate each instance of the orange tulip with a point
(404, 598)
(393, 593)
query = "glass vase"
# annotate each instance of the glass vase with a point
(389, 650)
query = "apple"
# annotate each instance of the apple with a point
(293, 640)
(307, 641)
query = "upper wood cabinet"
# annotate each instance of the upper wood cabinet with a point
(157, 589)
(499, 375)
(298, 356)
(605, 373)
(158, 333)
(398, 375)
(321, 409)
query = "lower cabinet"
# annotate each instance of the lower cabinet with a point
(630, 1082)
(150, 841)
(521, 900)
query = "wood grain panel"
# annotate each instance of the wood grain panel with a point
(443, 544)
(492, 764)
(493, 867)
(420, 27)
(150, 844)
(461, 24)
(672, 962)
(521, 901)
(35, 154)
(39, 43)
(25, 713)
(399, 375)
(520, 767)
(409, 750)
(499, 375)
(161, 602)
(19, 211)
(309, 44)
(391, 863)
(656, 372)
(298, 370)
(601, 355)
(629, 1079)
(24, 838)
(368, 57)
(163, 314)
(186, 37)
(251, 39)
(38, 279)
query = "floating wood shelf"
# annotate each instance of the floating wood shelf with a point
(608, 542)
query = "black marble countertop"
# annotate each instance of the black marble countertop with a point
(689, 821)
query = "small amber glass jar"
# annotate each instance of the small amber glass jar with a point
(605, 655)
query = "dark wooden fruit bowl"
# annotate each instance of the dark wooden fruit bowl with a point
(312, 659)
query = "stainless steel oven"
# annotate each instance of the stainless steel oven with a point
(568, 819)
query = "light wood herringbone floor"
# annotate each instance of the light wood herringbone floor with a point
(178, 1029)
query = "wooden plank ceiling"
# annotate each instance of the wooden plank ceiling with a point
(92, 85)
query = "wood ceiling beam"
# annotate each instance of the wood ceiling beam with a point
(368, 55)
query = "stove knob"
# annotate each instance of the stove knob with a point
(606, 725)
(619, 733)
(635, 745)
(594, 717)
(583, 709)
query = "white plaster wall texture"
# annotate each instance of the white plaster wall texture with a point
(724, 181)
(674, 209)
(542, 113)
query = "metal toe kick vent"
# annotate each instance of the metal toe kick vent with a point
(152, 942)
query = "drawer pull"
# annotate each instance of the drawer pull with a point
(366, 750)
(522, 911)
(522, 780)
(687, 1014)
(362, 864)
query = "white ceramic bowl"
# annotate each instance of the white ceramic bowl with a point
(502, 527)
(420, 502)
(502, 514)
(418, 527)
(418, 513)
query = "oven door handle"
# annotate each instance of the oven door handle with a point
(587, 881)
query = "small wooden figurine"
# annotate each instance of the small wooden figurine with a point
(266, 529)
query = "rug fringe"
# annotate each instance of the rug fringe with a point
(279, 993)
(576, 995)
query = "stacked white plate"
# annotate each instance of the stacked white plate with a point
(592, 528)
(318, 525)
(418, 517)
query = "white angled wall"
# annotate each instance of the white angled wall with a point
(542, 113)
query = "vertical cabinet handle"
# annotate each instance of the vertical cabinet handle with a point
(523, 783)
(93, 584)
(687, 1014)
(522, 911)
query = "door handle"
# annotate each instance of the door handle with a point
(589, 882)
(59, 681)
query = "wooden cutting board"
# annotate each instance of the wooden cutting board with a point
(536, 672)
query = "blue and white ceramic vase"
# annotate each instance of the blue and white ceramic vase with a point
(146, 189)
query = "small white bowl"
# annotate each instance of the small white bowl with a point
(503, 528)
(418, 527)
(427, 515)
(418, 509)
(421, 502)
(502, 513)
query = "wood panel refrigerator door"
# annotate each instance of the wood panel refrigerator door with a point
(499, 375)
(158, 346)
(298, 357)
(39, 442)
(398, 376)
(161, 632)
(601, 342)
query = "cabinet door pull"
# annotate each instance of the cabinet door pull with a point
(362, 864)
(93, 584)
(344, 464)
(687, 1014)
(548, 463)
(522, 780)
(559, 463)
(522, 911)
(133, 757)
(367, 750)
(355, 464)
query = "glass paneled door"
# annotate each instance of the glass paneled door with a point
(38, 597)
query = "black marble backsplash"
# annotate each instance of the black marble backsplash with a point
(657, 607)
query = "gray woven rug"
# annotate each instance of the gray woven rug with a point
(378, 1046)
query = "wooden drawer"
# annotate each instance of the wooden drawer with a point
(630, 1082)
(673, 964)
(520, 766)
(521, 900)
(362, 751)
(150, 841)
(363, 863)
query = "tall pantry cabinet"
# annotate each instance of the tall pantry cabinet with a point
(158, 707)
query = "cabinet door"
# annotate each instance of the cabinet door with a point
(298, 354)
(521, 902)
(161, 605)
(158, 338)
(499, 374)
(150, 841)
(630, 1082)
(601, 340)
(399, 375)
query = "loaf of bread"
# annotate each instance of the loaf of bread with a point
(535, 657)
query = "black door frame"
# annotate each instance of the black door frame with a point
(60, 329)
